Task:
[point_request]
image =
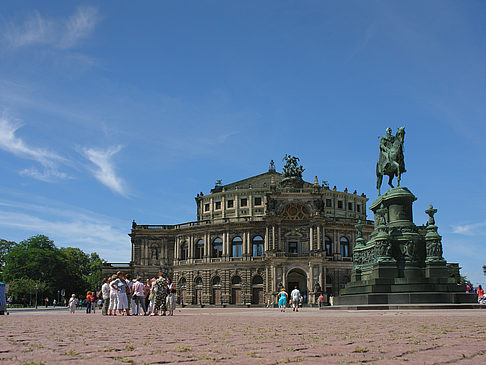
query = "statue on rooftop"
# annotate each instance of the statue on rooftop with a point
(391, 161)
(292, 167)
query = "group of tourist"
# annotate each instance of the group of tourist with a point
(122, 296)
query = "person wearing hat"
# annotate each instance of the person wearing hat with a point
(282, 302)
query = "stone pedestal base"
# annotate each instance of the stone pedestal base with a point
(406, 298)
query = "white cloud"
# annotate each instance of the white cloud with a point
(58, 33)
(105, 170)
(469, 229)
(74, 227)
(15, 145)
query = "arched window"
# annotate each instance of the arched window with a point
(257, 280)
(344, 247)
(184, 251)
(216, 281)
(236, 246)
(182, 283)
(199, 282)
(217, 248)
(257, 245)
(328, 246)
(199, 249)
(236, 280)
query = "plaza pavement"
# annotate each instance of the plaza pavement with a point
(246, 336)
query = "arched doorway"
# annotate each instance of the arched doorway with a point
(257, 290)
(236, 290)
(217, 295)
(198, 290)
(297, 278)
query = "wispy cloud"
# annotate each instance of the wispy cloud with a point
(470, 229)
(105, 169)
(69, 227)
(15, 145)
(58, 33)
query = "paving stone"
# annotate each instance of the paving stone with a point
(246, 336)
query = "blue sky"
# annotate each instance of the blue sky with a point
(112, 111)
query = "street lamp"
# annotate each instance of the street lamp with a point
(36, 289)
(484, 269)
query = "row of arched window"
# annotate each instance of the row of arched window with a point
(256, 245)
(217, 248)
(344, 246)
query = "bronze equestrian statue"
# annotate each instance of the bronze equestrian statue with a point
(391, 161)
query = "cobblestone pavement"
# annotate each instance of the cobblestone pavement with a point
(249, 336)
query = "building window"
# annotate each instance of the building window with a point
(216, 281)
(258, 201)
(257, 245)
(257, 280)
(217, 249)
(344, 247)
(206, 207)
(236, 246)
(184, 251)
(328, 203)
(199, 249)
(350, 206)
(328, 244)
(340, 204)
(217, 205)
(358, 208)
(293, 247)
(230, 203)
(236, 280)
(243, 202)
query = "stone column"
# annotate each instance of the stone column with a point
(319, 240)
(223, 207)
(248, 243)
(274, 246)
(244, 248)
(311, 238)
(267, 236)
(279, 239)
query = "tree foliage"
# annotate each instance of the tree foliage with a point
(37, 261)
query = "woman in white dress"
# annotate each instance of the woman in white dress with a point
(170, 300)
(72, 303)
(113, 298)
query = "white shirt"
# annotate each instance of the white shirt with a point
(105, 290)
(295, 294)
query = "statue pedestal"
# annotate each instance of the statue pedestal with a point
(401, 263)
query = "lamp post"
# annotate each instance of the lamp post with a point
(36, 289)
(484, 269)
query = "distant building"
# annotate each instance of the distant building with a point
(254, 236)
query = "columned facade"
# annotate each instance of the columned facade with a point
(252, 238)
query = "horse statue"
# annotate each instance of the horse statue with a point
(391, 161)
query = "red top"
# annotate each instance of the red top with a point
(480, 293)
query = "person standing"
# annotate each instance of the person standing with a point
(105, 295)
(72, 303)
(321, 301)
(171, 302)
(121, 288)
(160, 295)
(295, 295)
(88, 302)
(480, 293)
(113, 298)
(139, 297)
(282, 301)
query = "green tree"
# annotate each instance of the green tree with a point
(23, 290)
(36, 258)
(5, 247)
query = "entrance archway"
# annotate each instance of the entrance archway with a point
(297, 278)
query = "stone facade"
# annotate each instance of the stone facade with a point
(251, 238)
